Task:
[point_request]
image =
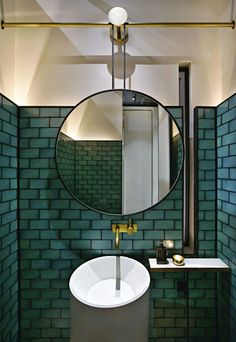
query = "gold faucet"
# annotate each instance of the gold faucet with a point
(117, 239)
(129, 228)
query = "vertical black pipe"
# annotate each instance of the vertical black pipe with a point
(195, 176)
(18, 224)
(124, 64)
(216, 229)
(187, 305)
(2, 11)
(112, 67)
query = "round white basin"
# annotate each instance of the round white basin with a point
(109, 281)
(109, 301)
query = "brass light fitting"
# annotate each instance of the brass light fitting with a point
(119, 34)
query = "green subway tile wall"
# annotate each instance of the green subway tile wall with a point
(58, 233)
(205, 153)
(92, 171)
(202, 286)
(99, 163)
(226, 148)
(169, 311)
(8, 222)
(178, 316)
(66, 160)
(176, 150)
(202, 307)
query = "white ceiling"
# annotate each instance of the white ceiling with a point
(97, 10)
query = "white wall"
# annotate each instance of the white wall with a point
(50, 70)
(98, 118)
(228, 55)
(7, 59)
(62, 66)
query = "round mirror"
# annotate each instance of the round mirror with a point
(119, 152)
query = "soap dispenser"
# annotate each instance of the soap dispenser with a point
(161, 254)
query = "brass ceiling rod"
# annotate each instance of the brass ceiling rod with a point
(229, 24)
(51, 25)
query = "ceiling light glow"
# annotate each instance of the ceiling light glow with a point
(117, 16)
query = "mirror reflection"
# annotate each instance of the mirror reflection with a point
(119, 152)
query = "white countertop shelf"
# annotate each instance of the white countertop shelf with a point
(191, 264)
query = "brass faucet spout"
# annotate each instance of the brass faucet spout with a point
(117, 239)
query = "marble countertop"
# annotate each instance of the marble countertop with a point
(191, 264)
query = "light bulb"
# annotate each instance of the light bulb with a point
(117, 16)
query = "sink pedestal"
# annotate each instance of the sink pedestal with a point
(128, 323)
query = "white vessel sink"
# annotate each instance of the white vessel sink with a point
(94, 282)
(109, 301)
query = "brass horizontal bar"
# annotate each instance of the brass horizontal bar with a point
(52, 25)
(230, 24)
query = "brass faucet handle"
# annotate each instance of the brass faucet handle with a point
(130, 230)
